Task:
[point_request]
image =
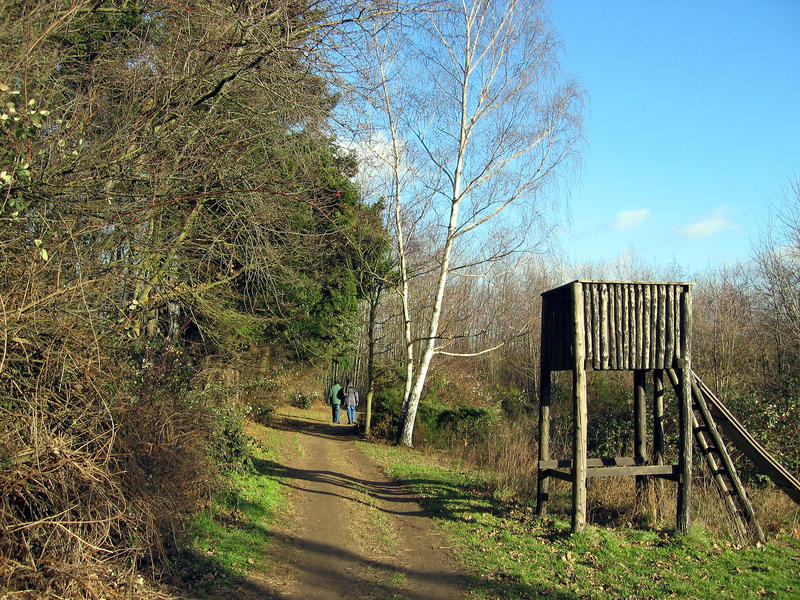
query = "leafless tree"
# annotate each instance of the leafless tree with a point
(726, 337)
(476, 121)
(778, 259)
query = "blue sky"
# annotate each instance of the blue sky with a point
(692, 125)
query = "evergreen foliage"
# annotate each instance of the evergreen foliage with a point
(170, 199)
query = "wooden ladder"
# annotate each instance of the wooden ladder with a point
(719, 463)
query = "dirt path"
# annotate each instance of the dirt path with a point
(350, 532)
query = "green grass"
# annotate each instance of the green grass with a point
(228, 537)
(515, 554)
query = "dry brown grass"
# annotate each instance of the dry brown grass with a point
(775, 510)
(511, 450)
(612, 501)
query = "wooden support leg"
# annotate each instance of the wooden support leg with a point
(579, 415)
(579, 448)
(640, 432)
(543, 483)
(685, 451)
(658, 440)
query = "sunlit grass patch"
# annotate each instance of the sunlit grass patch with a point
(517, 554)
(230, 535)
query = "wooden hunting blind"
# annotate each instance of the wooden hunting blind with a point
(625, 326)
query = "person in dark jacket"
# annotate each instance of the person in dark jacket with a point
(350, 402)
(335, 400)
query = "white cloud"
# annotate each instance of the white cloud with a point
(629, 219)
(710, 225)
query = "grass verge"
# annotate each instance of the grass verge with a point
(229, 536)
(517, 555)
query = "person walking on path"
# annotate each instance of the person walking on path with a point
(350, 402)
(335, 399)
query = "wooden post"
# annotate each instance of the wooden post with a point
(640, 431)
(685, 421)
(658, 439)
(543, 483)
(579, 413)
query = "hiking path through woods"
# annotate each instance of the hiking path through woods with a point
(348, 531)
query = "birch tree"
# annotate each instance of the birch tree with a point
(476, 122)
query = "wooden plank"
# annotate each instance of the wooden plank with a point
(566, 346)
(604, 327)
(651, 353)
(663, 471)
(661, 339)
(545, 360)
(558, 475)
(616, 333)
(670, 471)
(558, 334)
(679, 291)
(603, 461)
(639, 363)
(618, 325)
(587, 320)
(632, 326)
(626, 323)
(619, 318)
(647, 303)
(669, 350)
(658, 416)
(686, 318)
(596, 325)
(612, 328)
(626, 332)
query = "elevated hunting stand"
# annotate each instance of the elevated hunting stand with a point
(618, 326)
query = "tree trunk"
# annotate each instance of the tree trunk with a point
(373, 309)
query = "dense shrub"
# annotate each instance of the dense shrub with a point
(387, 404)
(229, 445)
(303, 401)
(512, 400)
(467, 424)
(259, 397)
(262, 412)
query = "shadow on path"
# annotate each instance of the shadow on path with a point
(319, 555)
(386, 491)
(354, 573)
(318, 428)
